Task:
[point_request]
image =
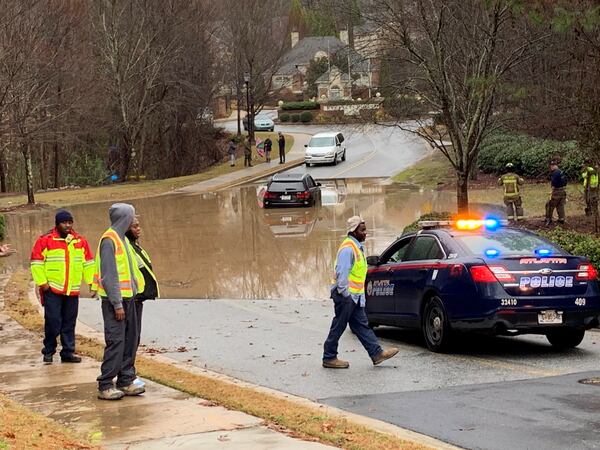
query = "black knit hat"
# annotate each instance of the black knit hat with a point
(62, 215)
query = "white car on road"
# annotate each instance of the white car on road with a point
(325, 148)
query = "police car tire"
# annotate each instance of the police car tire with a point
(565, 338)
(434, 308)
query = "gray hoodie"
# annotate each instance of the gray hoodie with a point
(121, 216)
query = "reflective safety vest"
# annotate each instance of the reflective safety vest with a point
(591, 174)
(358, 272)
(123, 253)
(511, 183)
(142, 261)
(62, 262)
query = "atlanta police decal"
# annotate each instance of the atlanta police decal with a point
(380, 288)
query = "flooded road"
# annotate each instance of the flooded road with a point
(224, 245)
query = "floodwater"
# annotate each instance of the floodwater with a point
(224, 245)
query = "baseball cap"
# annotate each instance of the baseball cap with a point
(353, 222)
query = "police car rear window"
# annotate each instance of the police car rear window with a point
(278, 186)
(506, 242)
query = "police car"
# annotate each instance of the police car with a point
(480, 275)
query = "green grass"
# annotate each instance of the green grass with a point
(427, 172)
(140, 189)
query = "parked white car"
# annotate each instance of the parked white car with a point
(325, 148)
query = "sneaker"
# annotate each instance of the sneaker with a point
(386, 354)
(139, 383)
(132, 389)
(47, 359)
(335, 364)
(110, 394)
(70, 359)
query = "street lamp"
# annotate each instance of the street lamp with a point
(249, 122)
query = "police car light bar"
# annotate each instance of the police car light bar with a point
(464, 224)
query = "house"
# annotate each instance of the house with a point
(290, 79)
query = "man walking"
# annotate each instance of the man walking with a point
(268, 148)
(151, 291)
(558, 196)
(512, 195)
(281, 142)
(118, 280)
(231, 148)
(59, 260)
(348, 294)
(589, 174)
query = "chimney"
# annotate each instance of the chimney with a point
(295, 38)
(344, 37)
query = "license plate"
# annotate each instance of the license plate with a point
(286, 197)
(286, 219)
(550, 317)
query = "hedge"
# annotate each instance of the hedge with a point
(285, 117)
(299, 105)
(530, 155)
(295, 117)
(580, 244)
(306, 117)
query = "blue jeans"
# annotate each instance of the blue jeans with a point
(60, 317)
(349, 313)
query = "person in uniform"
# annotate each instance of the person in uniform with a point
(348, 295)
(589, 176)
(558, 196)
(510, 181)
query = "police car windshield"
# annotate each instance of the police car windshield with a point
(505, 242)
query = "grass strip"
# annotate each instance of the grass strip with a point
(21, 428)
(303, 421)
(139, 189)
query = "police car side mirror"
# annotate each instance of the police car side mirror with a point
(373, 260)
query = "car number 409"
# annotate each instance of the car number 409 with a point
(508, 302)
(580, 301)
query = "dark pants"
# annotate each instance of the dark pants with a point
(514, 205)
(591, 202)
(248, 160)
(121, 338)
(557, 201)
(268, 155)
(60, 317)
(349, 313)
(282, 155)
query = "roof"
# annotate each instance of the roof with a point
(304, 51)
(326, 77)
(289, 176)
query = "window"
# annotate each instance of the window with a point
(340, 138)
(282, 186)
(396, 254)
(424, 248)
(322, 142)
(506, 242)
(310, 183)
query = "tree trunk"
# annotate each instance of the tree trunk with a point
(125, 158)
(462, 193)
(25, 148)
(2, 172)
(56, 163)
(43, 177)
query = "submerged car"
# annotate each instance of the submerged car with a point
(325, 148)
(261, 123)
(478, 275)
(292, 189)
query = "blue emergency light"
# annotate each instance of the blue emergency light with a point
(492, 252)
(543, 252)
(491, 223)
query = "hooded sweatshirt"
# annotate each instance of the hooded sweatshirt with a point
(121, 216)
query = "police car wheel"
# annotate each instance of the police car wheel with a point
(373, 325)
(565, 338)
(436, 330)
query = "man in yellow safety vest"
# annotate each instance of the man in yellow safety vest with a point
(117, 279)
(589, 176)
(348, 295)
(511, 183)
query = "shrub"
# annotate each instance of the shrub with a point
(299, 105)
(529, 155)
(295, 117)
(285, 117)
(429, 216)
(580, 244)
(306, 117)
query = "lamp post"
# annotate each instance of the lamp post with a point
(249, 120)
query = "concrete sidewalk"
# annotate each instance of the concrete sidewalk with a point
(161, 418)
(294, 157)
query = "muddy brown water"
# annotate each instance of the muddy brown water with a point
(224, 245)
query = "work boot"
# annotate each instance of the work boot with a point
(110, 394)
(335, 364)
(70, 359)
(47, 359)
(132, 389)
(386, 354)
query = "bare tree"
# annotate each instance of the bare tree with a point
(451, 58)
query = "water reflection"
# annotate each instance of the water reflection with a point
(223, 245)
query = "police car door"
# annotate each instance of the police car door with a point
(417, 268)
(381, 291)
